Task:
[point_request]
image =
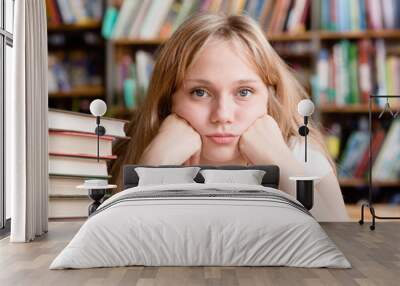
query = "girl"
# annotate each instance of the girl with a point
(220, 94)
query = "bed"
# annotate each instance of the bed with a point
(201, 224)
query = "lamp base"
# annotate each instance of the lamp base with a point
(305, 190)
(96, 195)
(305, 193)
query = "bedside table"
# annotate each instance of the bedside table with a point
(96, 193)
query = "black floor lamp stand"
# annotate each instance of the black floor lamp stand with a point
(370, 203)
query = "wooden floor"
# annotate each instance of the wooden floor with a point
(374, 255)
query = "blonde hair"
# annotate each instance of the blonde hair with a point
(180, 51)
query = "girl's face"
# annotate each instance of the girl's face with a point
(221, 96)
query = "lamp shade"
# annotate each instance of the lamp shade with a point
(305, 107)
(98, 107)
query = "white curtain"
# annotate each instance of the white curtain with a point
(26, 124)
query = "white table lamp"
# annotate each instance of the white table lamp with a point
(97, 187)
(305, 185)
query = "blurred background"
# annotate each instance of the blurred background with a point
(340, 50)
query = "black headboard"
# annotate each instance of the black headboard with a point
(270, 179)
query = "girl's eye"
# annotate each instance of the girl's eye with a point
(199, 92)
(245, 92)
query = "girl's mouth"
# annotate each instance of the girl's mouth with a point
(222, 138)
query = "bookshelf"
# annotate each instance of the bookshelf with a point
(87, 25)
(354, 182)
(369, 34)
(288, 37)
(284, 37)
(76, 54)
(96, 91)
(354, 108)
(316, 37)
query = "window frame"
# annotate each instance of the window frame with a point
(6, 39)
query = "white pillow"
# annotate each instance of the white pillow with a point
(162, 176)
(249, 177)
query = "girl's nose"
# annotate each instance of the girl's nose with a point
(222, 110)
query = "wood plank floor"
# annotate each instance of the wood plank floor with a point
(374, 255)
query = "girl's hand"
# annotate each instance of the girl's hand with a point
(263, 143)
(176, 143)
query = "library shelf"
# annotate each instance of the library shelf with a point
(354, 108)
(328, 35)
(87, 25)
(286, 37)
(282, 37)
(120, 112)
(290, 37)
(359, 182)
(134, 42)
(84, 91)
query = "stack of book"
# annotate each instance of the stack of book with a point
(133, 78)
(350, 71)
(386, 167)
(344, 15)
(72, 71)
(159, 18)
(73, 159)
(73, 11)
(385, 150)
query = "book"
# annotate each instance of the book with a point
(94, 9)
(80, 122)
(66, 186)
(84, 156)
(138, 20)
(144, 69)
(380, 62)
(364, 70)
(388, 17)
(356, 145)
(295, 16)
(387, 164)
(72, 149)
(159, 18)
(70, 207)
(283, 14)
(77, 166)
(362, 167)
(53, 14)
(188, 7)
(79, 144)
(128, 11)
(354, 73)
(79, 176)
(154, 19)
(130, 93)
(266, 15)
(167, 27)
(73, 11)
(323, 75)
(110, 18)
(359, 15)
(66, 11)
(78, 10)
(72, 70)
